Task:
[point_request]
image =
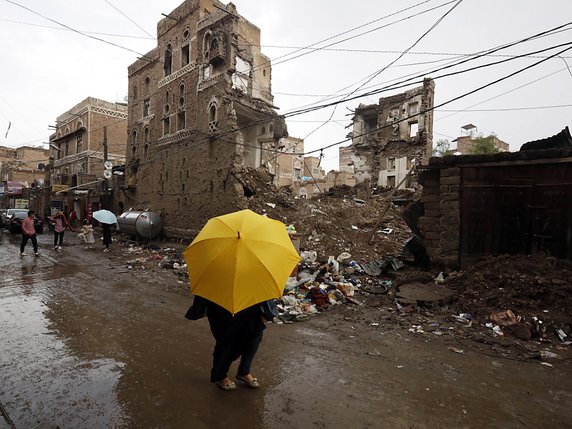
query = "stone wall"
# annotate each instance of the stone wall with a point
(440, 224)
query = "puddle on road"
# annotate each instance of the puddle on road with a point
(43, 385)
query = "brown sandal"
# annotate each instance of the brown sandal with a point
(253, 382)
(226, 384)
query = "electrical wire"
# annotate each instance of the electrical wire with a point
(123, 14)
(503, 93)
(274, 62)
(472, 57)
(220, 136)
(369, 79)
(83, 31)
(448, 101)
(74, 30)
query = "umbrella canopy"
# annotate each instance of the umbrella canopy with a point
(105, 216)
(240, 259)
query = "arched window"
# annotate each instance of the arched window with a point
(168, 60)
(213, 118)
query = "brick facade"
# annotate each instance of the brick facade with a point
(200, 112)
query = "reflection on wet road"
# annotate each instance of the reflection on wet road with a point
(43, 383)
(87, 344)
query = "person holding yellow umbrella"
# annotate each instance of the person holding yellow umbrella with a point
(238, 263)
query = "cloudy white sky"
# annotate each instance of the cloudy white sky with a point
(47, 68)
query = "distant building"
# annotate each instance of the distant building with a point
(288, 167)
(388, 138)
(312, 169)
(466, 142)
(86, 135)
(22, 174)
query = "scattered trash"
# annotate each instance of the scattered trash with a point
(456, 350)
(344, 257)
(464, 318)
(271, 205)
(545, 354)
(386, 231)
(308, 257)
(440, 279)
(376, 268)
(333, 265)
(346, 288)
(505, 318)
(561, 335)
(416, 329)
(547, 364)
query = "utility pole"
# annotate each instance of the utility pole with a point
(105, 183)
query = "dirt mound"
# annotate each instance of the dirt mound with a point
(535, 286)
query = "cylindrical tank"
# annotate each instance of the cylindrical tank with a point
(141, 223)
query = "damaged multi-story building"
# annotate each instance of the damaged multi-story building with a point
(200, 115)
(390, 137)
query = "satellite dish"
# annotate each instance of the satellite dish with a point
(107, 174)
(108, 165)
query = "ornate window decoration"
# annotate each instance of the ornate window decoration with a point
(213, 115)
(214, 48)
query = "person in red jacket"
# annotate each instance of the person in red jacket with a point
(29, 233)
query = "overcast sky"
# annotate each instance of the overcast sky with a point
(47, 68)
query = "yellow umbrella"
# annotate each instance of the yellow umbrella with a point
(240, 259)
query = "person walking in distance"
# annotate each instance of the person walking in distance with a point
(106, 236)
(29, 233)
(60, 225)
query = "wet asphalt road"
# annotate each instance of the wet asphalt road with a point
(87, 343)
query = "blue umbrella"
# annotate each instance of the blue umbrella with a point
(105, 216)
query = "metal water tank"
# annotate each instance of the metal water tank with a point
(143, 224)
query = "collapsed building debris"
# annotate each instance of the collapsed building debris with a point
(390, 137)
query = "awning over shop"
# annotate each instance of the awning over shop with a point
(13, 188)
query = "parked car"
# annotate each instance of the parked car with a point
(10, 213)
(3, 222)
(15, 224)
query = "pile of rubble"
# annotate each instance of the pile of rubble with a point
(528, 297)
(341, 220)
